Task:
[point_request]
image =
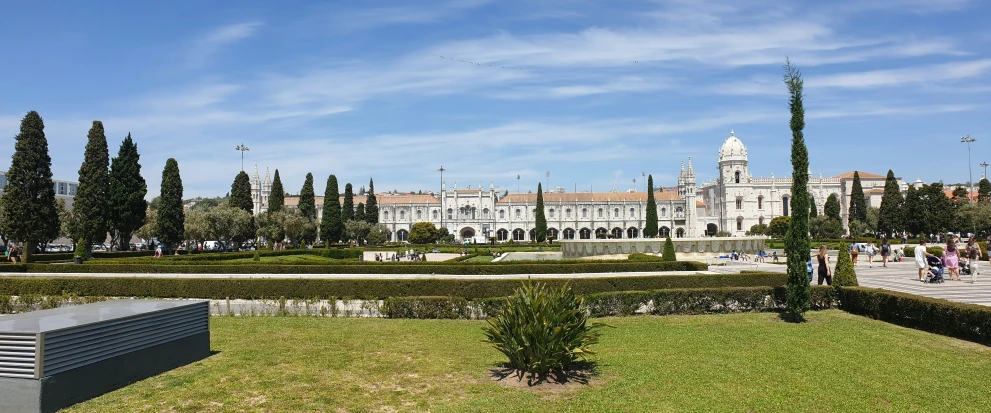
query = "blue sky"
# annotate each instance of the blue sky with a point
(590, 90)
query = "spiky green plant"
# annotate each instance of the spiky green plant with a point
(668, 253)
(543, 330)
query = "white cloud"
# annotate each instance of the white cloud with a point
(204, 48)
(893, 77)
(370, 18)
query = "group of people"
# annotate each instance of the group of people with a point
(884, 250)
(760, 257)
(951, 258)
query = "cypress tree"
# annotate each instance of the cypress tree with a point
(347, 208)
(668, 253)
(359, 213)
(650, 227)
(307, 204)
(90, 204)
(984, 191)
(170, 223)
(858, 204)
(890, 217)
(813, 210)
(127, 205)
(832, 207)
(914, 213)
(331, 225)
(540, 232)
(371, 204)
(29, 200)
(277, 197)
(797, 242)
(845, 275)
(241, 193)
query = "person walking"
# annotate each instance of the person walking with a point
(973, 258)
(854, 252)
(885, 251)
(952, 258)
(871, 250)
(920, 259)
(825, 272)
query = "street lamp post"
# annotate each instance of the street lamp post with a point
(242, 148)
(985, 165)
(968, 140)
(442, 195)
(517, 183)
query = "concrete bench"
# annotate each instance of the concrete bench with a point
(51, 359)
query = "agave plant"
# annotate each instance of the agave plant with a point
(543, 330)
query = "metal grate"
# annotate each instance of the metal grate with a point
(79, 346)
(18, 354)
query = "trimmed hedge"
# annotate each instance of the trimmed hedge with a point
(934, 250)
(620, 303)
(456, 268)
(964, 321)
(13, 268)
(68, 256)
(220, 288)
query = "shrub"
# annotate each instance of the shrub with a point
(427, 308)
(641, 257)
(256, 257)
(668, 254)
(543, 329)
(937, 251)
(964, 321)
(844, 275)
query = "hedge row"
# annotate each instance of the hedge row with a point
(377, 268)
(213, 288)
(964, 321)
(937, 251)
(620, 303)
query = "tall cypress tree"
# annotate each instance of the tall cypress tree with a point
(171, 221)
(915, 216)
(832, 207)
(331, 225)
(347, 208)
(241, 193)
(984, 191)
(540, 232)
(650, 227)
(890, 217)
(797, 242)
(371, 204)
(307, 203)
(90, 204)
(858, 204)
(277, 197)
(29, 202)
(127, 205)
(359, 212)
(813, 210)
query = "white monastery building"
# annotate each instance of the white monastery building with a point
(733, 203)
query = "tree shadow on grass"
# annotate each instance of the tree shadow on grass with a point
(580, 374)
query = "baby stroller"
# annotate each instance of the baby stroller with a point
(964, 266)
(935, 273)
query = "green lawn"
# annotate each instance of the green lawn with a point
(751, 362)
(289, 259)
(481, 258)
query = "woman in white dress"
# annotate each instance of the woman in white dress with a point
(920, 259)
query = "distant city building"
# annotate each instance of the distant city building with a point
(733, 203)
(63, 189)
(260, 191)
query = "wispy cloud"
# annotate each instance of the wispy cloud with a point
(419, 13)
(210, 44)
(892, 77)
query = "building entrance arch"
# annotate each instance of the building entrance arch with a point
(467, 233)
(711, 229)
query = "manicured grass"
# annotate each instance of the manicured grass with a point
(289, 259)
(750, 362)
(481, 258)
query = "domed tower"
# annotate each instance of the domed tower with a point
(733, 182)
(733, 161)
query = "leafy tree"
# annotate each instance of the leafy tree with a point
(229, 224)
(307, 202)
(540, 232)
(272, 226)
(90, 203)
(241, 193)
(147, 231)
(422, 233)
(960, 196)
(976, 217)
(277, 197)
(377, 235)
(822, 227)
(196, 228)
(797, 241)
(915, 215)
(890, 216)
(858, 203)
(30, 211)
(359, 212)
(873, 215)
(813, 210)
(170, 223)
(297, 227)
(779, 226)
(371, 204)
(650, 227)
(347, 208)
(757, 229)
(69, 225)
(332, 224)
(984, 190)
(832, 207)
(357, 230)
(844, 275)
(126, 197)
(859, 228)
(444, 236)
(668, 253)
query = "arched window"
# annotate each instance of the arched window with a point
(760, 202)
(533, 234)
(664, 212)
(679, 212)
(600, 212)
(760, 220)
(502, 235)
(569, 233)
(552, 233)
(737, 179)
(739, 202)
(664, 232)
(632, 232)
(633, 213)
(434, 214)
(551, 212)
(784, 206)
(739, 223)
(519, 213)
(402, 215)
(450, 213)
(502, 214)
(519, 235)
(615, 212)
(385, 215)
(402, 235)
(388, 236)
(585, 233)
(680, 233)
(567, 214)
(584, 213)
(485, 213)
(419, 215)
(617, 233)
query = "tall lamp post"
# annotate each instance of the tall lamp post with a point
(985, 165)
(517, 183)
(968, 140)
(243, 149)
(442, 196)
